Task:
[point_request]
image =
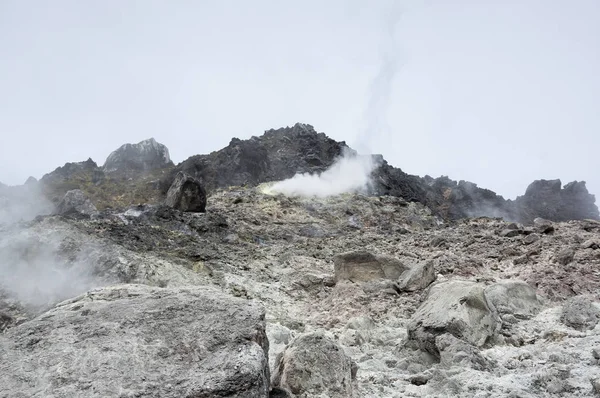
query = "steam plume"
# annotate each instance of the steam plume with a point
(351, 173)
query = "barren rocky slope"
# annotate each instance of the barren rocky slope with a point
(279, 252)
(265, 295)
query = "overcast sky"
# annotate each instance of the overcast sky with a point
(496, 92)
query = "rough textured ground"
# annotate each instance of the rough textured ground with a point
(279, 251)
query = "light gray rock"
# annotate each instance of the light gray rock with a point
(138, 341)
(509, 233)
(596, 385)
(455, 352)
(418, 277)
(565, 256)
(455, 307)
(363, 266)
(75, 202)
(186, 194)
(591, 244)
(580, 313)
(312, 365)
(516, 298)
(143, 156)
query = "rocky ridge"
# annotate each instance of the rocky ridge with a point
(143, 173)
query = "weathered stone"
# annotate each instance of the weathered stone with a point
(455, 307)
(591, 244)
(456, 352)
(509, 233)
(75, 203)
(134, 340)
(312, 365)
(186, 194)
(565, 256)
(516, 298)
(543, 226)
(529, 239)
(596, 385)
(362, 266)
(417, 277)
(580, 313)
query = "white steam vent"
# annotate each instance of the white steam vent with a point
(349, 173)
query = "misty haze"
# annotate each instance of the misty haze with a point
(265, 199)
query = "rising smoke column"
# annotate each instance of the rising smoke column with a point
(352, 172)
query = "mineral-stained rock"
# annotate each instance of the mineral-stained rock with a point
(313, 364)
(580, 313)
(455, 307)
(417, 277)
(76, 203)
(186, 194)
(134, 340)
(362, 266)
(516, 298)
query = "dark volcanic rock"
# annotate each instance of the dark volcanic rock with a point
(186, 194)
(277, 155)
(546, 199)
(143, 156)
(283, 153)
(71, 173)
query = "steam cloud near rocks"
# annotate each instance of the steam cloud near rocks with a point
(33, 272)
(32, 269)
(349, 173)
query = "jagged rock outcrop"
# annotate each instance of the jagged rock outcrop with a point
(275, 156)
(75, 203)
(144, 156)
(135, 340)
(314, 365)
(548, 199)
(31, 180)
(186, 194)
(282, 153)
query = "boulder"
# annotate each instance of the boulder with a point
(186, 194)
(75, 203)
(455, 307)
(580, 313)
(417, 277)
(143, 156)
(515, 298)
(139, 341)
(565, 256)
(455, 352)
(312, 365)
(363, 266)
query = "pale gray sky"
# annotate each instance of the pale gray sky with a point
(496, 92)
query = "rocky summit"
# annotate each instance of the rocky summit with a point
(202, 279)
